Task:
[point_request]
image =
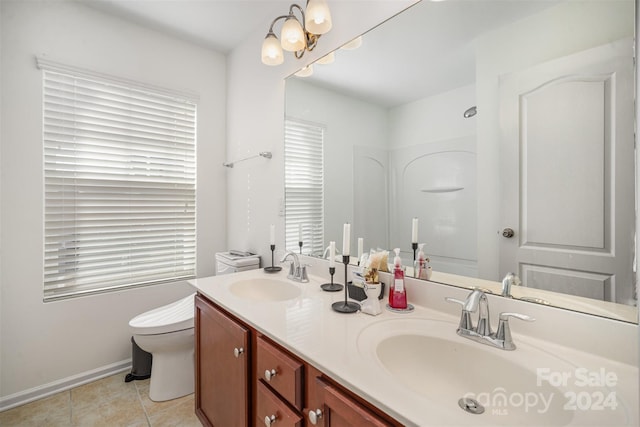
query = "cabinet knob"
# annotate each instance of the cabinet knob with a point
(268, 420)
(268, 374)
(238, 351)
(314, 416)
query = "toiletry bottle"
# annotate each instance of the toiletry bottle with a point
(397, 293)
(420, 268)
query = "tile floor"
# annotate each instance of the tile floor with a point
(108, 402)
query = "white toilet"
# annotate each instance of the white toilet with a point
(167, 333)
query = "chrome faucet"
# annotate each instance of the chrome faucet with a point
(477, 301)
(297, 272)
(509, 280)
(326, 252)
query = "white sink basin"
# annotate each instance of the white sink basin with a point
(265, 290)
(428, 358)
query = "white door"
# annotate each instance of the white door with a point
(567, 145)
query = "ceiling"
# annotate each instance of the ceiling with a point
(419, 53)
(220, 25)
(426, 50)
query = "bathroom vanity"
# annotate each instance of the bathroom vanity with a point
(244, 378)
(271, 351)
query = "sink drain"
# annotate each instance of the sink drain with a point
(470, 405)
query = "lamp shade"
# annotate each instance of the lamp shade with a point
(353, 44)
(317, 17)
(271, 50)
(292, 35)
(305, 72)
(329, 58)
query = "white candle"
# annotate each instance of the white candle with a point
(299, 232)
(332, 254)
(346, 239)
(360, 247)
(272, 237)
(414, 231)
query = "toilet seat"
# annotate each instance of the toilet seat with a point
(172, 317)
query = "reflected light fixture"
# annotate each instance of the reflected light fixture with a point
(297, 35)
(329, 58)
(306, 71)
(353, 44)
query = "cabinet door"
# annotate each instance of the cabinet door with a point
(340, 410)
(222, 368)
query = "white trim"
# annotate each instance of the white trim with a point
(46, 64)
(46, 390)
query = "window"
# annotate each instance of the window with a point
(304, 185)
(119, 183)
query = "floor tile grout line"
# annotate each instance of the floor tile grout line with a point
(144, 409)
(70, 408)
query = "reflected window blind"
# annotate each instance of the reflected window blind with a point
(120, 181)
(304, 185)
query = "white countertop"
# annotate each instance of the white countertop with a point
(309, 328)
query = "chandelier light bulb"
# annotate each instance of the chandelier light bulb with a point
(297, 34)
(272, 51)
(292, 35)
(318, 17)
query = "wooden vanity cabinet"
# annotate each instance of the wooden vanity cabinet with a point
(334, 406)
(222, 352)
(243, 378)
(280, 371)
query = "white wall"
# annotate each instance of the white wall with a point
(516, 47)
(349, 123)
(44, 345)
(256, 93)
(431, 119)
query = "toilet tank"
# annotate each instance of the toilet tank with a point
(234, 261)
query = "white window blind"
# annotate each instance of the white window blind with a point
(120, 181)
(304, 185)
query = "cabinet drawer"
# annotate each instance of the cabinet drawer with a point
(282, 372)
(271, 411)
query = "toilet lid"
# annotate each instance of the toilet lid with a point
(168, 318)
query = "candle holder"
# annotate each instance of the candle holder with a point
(345, 306)
(300, 244)
(331, 287)
(272, 269)
(414, 246)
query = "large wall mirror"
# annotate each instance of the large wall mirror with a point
(505, 127)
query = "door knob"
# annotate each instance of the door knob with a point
(508, 232)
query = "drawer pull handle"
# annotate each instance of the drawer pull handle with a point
(268, 420)
(268, 374)
(314, 416)
(238, 351)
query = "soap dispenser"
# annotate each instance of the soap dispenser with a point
(421, 267)
(397, 292)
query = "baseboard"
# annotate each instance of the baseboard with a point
(68, 383)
